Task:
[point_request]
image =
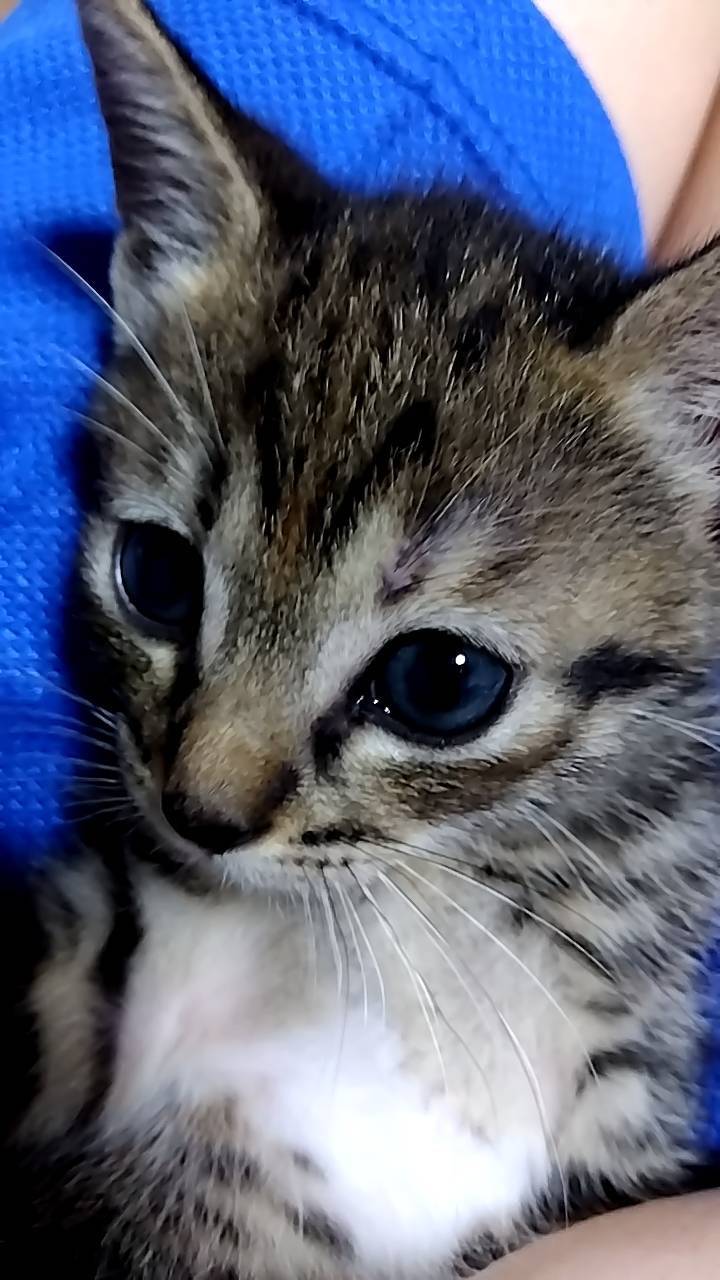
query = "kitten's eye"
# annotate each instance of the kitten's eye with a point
(159, 576)
(434, 687)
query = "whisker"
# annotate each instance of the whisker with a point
(590, 854)
(202, 378)
(118, 320)
(129, 405)
(332, 934)
(60, 758)
(343, 897)
(418, 983)
(428, 926)
(102, 713)
(696, 734)
(94, 786)
(549, 838)
(117, 811)
(369, 948)
(440, 942)
(344, 967)
(62, 731)
(310, 923)
(506, 951)
(159, 465)
(39, 712)
(439, 859)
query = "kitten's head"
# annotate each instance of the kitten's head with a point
(405, 531)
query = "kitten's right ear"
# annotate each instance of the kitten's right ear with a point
(662, 358)
(184, 193)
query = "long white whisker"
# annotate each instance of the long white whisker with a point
(113, 315)
(696, 734)
(590, 854)
(336, 933)
(555, 844)
(203, 379)
(310, 924)
(343, 896)
(370, 949)
(332, 935)
(117, 810)
(530, 1074)
(425, 999)
(96, 425)
(427, 855)
(60, 758)
(506, 951)
(120, 398)
(62, 731)
(429, 927)
(101, 712)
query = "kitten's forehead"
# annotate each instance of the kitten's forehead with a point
(406, 366)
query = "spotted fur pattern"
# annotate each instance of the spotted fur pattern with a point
(434, 999)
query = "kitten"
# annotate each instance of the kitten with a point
(403, 588)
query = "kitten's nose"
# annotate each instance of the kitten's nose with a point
(210, 833)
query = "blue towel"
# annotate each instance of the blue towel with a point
(374, 93)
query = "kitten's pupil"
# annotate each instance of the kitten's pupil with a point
(436, 687)
(159, 576)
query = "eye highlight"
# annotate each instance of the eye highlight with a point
(159, 578)
(435, 688)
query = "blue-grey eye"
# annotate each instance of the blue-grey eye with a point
(160, 578)
(435, 687)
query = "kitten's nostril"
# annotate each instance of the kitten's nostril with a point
(213, 835)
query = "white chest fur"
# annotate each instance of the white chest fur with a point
(426, 1123)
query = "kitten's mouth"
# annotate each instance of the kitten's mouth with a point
(267, 862)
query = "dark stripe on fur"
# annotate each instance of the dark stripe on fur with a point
(588, 1195)
(212, 486)
(411, 436)
(315, 1226)
(483, 1250)
(630, 1056)
(110, 975)
(263, 405)
(611, 670)
(23, 947)
(474, 337)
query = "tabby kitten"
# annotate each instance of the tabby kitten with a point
(404, 592)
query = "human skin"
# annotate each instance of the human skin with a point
(667, 1240)
(656, 66)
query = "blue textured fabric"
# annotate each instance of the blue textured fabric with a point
(374, 93)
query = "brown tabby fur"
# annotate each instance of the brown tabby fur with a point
(375, 416)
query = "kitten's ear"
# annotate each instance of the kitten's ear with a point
(183, 190)
(664, 358)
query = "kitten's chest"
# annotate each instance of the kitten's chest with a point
(350, 1091)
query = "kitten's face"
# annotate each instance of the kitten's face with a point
(392, 547)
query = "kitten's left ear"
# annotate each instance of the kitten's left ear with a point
(189, 171)
(182, 191)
